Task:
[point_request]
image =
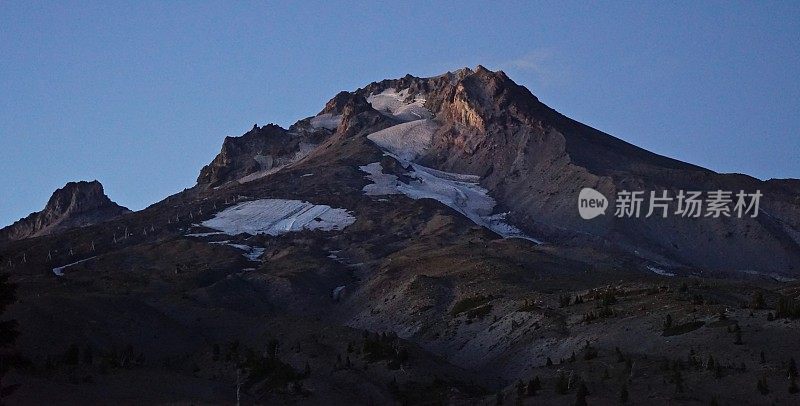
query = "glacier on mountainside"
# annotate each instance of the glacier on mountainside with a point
(460, 192)
(407, 140)
(278, 216)
(327, 121)
(395, 104)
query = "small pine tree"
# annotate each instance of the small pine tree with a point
(562, 384)
(678, 379)
(623, 393)
(394, 388)
(738, 340)
(758, 301)
(618, 353)
(572, 357)
(692, 359)
(762, 386)
(215, 352)
(533, 386)
(710, 363)
(668, 322)
(589, 352)
(531, 389)
(549, 362)
(72, 355)
(8, 335)
(563, 301)
(763, 360)
(580, 395)
(88, 354)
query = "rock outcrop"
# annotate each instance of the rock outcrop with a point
(77, 204)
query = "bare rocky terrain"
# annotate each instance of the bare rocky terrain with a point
(378, 268)
(77, 204)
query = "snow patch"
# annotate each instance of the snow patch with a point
(407, 140)
(278, 216)
(304, 148)
(264, 161)
(59, 271)
(383, 183)
(327, 121)
(252, 253)
(659, 271)
(775, 276)
(204, 234)
(399, 105)
(460, 192)
(338, 292)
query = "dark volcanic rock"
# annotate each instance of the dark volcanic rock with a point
(255, 150)
(77, 204)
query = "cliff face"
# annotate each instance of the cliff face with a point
(77, 204)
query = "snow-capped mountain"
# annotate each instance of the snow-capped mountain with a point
(417, 241)
(532, 162)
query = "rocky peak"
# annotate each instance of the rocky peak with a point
(484, 95)
(77, 197)
(253, 151)
(336, 105)
(468, 97)
(77, 204)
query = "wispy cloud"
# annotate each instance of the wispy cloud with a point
(533, 62)
(540, 66)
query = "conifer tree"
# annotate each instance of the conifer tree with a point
(8, 335)
(580, 395)
(762, 386)
(623, 393)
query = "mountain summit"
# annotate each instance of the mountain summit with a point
(417, 241)
(533, 161)
(77, 204)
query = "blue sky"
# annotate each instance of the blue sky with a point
(140, 94)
